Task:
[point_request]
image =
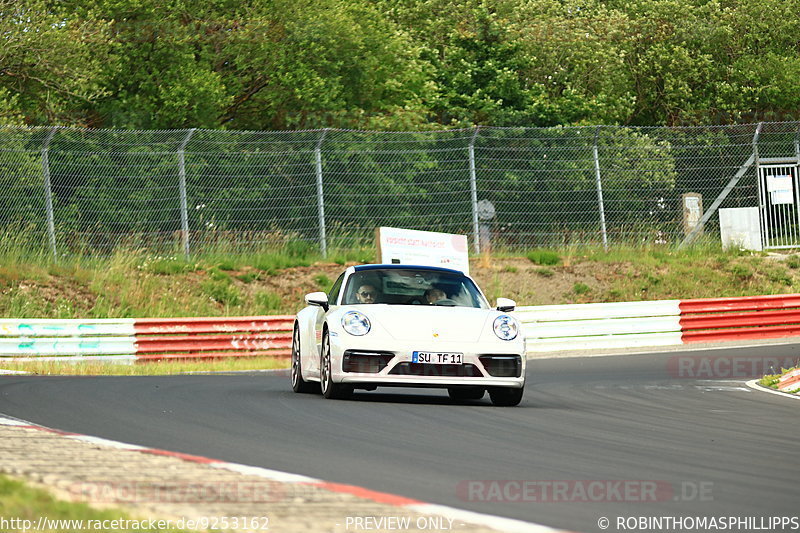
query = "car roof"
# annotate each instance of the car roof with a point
(359, 268)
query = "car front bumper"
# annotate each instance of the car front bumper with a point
(401, 371)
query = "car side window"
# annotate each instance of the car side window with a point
(334, 294)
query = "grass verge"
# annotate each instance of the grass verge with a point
(132, 283)
(28, 505)
(154, 368)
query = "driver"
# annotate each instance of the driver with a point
(367, 294)
(434, 295)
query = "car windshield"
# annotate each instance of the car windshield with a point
(400, 286)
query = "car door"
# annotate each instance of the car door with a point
(319, 322)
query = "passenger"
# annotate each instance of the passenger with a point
(434, 295)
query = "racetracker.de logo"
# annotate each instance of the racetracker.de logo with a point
(179, 492)
(726, 367)
(585, 490)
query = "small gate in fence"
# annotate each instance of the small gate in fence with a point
(779, 205)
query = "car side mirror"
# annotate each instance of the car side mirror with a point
(505, 305)
(318, 298)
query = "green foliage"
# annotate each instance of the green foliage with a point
(299, 249)
(396, 64)
(323, 282)
(778, 274)
(574, 56)
(544, 257)
(218, 275)
(269, 65)
(167, 266)
(268, 301)
(227, 264)
(249, 277)
(28, 503)
(274, 262)
(51, 63)
(581, 288)
(222, 290)
(770, 381)
(742, 272)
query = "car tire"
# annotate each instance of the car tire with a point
(330, 390)
(460, 394)
(298, 383)
(505, 396)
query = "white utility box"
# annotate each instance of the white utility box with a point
(739, 227)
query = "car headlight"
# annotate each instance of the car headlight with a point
(505, 328)
(355, 323)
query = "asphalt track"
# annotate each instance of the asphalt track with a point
(719, 448)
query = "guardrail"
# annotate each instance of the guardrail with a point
(149, 338)
(547, 328)
(750, 317)
(600, 326)
(659, 323)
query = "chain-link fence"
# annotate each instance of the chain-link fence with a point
(91, 191)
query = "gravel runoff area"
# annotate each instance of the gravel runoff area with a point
(151, 484)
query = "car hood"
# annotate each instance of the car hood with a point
(427, 323)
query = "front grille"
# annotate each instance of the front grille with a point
(439, 371)
(502, 365)
(366, 362)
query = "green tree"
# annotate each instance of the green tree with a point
(574, 59)
(758, 64)
(259, 64)
(308, 64)
(163, 74)
(50, 63)
(478, 64)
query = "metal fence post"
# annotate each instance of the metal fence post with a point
(599, 189)
(473, 189)
(323, 240)
(762, 206)
(48, 192)
(182, 187)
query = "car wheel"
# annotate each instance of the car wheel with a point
(506, 397)
(298, 383)
(460, 394)
(330, 389)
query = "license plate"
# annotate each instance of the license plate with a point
(438, 358)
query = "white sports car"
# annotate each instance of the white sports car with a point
(408, 326)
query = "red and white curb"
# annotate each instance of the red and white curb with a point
(790, 381)
(753, 384)
(497, 523)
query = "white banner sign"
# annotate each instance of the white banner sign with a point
(426, 248)
(780, 189)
